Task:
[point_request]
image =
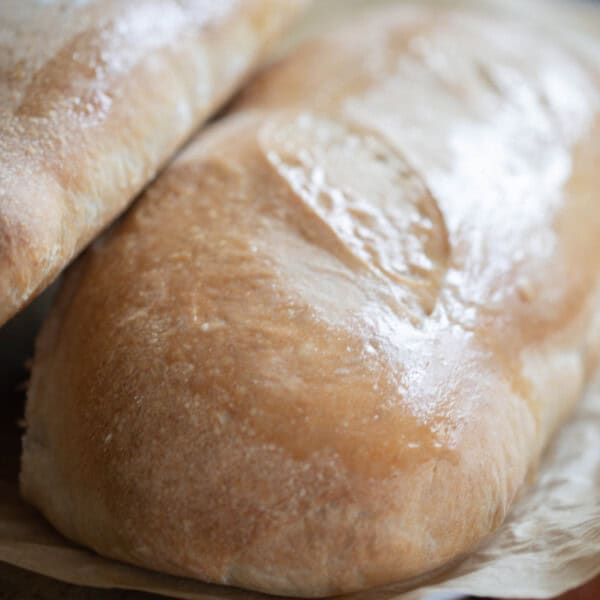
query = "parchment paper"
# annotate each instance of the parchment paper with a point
(549, 544)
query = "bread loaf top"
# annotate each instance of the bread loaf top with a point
(326, 348)
(95, 97)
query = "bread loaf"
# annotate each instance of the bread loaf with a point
(95, 97)
(326, 348)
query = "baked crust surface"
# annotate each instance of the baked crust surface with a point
(326, 348)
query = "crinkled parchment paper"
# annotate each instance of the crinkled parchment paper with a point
(549, 544)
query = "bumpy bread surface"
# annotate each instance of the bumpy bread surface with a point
(94, 97)
(326, 348)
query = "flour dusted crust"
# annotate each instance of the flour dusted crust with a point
(326, 348)
(95, 97)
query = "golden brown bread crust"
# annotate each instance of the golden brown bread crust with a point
(326, 348)
(95, 97)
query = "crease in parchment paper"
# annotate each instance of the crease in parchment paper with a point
(550, 542)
